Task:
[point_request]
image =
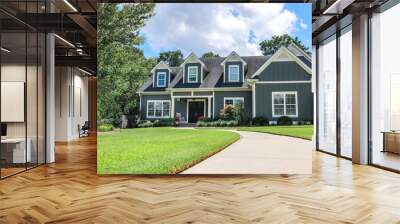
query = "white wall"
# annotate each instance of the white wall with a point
(70, 83)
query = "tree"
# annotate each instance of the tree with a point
(122, 68)
(210, 54)
(172, 58)
(269, 47)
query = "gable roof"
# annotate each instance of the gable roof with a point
(213, 78)
(284, 54)
(161, 65)
(233, 56)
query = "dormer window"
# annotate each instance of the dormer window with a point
(161, 79)
(233, 73)
(192, 74)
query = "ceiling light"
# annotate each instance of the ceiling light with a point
(64, 40)
(5, 50)
(70, 5)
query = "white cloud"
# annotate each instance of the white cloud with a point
(220, 28)
(303, 25)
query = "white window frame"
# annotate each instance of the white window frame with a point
(165, 79)
(229, 73)
(197, 74)
(162, 109)
(233, 99)
(284, 104)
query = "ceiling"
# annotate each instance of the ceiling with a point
(73, 21)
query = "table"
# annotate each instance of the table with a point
(391, 141)
(15, 148)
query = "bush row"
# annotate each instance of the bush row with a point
(217, 123)
(105, 127)
(156, 123)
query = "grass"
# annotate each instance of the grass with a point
(158, 150)
(300, 131)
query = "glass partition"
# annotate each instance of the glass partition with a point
(327, 95)
(346, 92)
(22, 101)
(385, 89)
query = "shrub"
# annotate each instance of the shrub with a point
(260, 121)
(240, 115)
(105, 127)
(201, 124)
(232, 123)
(228, 113)
(146, 124)
(284, 120)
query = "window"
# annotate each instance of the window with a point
(158, 108)
(161, 79)
(192, 74)
(284, 104)
(234, 101)
(233, 73)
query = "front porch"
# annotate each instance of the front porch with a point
(189, 107)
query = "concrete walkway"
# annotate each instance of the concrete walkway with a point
(259, 153)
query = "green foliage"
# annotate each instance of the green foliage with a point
(158, 150)
(284, 120)
(172, 58)
(260, 121)
(240, 115)
(105, 127)
(299, 131)
(269, 47)
(210, 54)
(122, 68)
(157, 123)
(217, 123)
(228, 113)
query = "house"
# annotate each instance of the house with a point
(268, 86)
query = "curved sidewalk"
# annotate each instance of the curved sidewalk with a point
(259, 153)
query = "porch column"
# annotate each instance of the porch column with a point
(209, 107)
(172, 107)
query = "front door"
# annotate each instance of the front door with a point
(196, 110)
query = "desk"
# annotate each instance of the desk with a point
(15, 148)
(391, 141)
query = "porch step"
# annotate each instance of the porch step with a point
(186, 125)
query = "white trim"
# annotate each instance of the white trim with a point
(284, 104)
(213, 108)
(278, 82)
(233, 56)
(165, 78)
(233, 98)
(155, 93)
(254, 99)
(275, 57)
(209, 107)
(197, 74)
(194, 100)
(229, 73)
(161, 65)
(140, 104)
(300, 51)
(209, 89)
(162, 108)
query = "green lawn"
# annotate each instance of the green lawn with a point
(301, 131)
(157, 150)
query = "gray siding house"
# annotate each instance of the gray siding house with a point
(268, 86)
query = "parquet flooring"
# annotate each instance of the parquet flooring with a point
(69, 191)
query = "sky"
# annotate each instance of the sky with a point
(223, 27)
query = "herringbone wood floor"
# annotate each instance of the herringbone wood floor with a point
(69, 191)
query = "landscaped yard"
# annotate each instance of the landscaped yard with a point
(300, 131)
(157, 150)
